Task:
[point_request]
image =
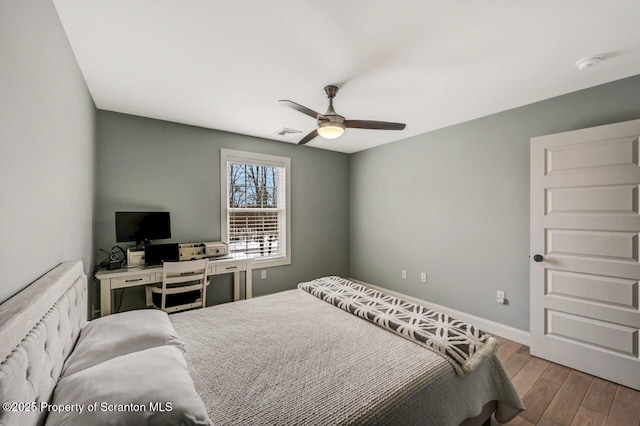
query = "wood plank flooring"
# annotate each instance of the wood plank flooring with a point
(557, 395)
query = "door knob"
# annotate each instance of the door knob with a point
(538, 258)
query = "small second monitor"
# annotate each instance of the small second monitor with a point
(155, 254)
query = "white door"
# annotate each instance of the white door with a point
(585, 244)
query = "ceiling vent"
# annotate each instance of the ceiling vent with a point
(286, 131)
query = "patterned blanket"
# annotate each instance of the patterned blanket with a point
(462, 344)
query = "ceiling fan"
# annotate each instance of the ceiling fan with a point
(331, 125)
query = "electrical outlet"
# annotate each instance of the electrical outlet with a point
(404, 274)
(423, 277)
(263, 275)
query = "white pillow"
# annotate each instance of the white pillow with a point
(121, 391)
(119, 334)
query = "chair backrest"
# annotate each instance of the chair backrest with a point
(193, 272)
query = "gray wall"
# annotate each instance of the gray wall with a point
(454, 203)
(47, 147)
(149, 164)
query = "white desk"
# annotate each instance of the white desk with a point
(143, 275)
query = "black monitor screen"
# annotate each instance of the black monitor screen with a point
(142, 226)
(155, 254)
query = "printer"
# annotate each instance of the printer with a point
(216, 248)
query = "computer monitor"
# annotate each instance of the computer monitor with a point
(155, 254)
(142, 226)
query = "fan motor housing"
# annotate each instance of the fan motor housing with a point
(332, 119)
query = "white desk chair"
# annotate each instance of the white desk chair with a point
(184, 286)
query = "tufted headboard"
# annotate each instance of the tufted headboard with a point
(38, 329)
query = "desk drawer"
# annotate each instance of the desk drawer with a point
(230, 267)
(132, 281)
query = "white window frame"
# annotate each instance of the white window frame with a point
(231, 155)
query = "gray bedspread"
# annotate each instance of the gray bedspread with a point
(292, 359)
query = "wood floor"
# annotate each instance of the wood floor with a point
(557, 395)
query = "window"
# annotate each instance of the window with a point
(255, 200)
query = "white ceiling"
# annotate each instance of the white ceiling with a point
(223, 64)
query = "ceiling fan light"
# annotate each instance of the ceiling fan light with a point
(331, 130)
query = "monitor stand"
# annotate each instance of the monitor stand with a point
(140, 245)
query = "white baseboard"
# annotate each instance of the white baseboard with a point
(502, 330)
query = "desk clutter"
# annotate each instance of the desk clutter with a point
(155, 254)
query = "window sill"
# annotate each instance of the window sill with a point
(258, 263)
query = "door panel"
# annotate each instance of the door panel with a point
(595, 333)
(570, 158)
(612, 291)
(616, 245)
(614, 199)
(585, 222)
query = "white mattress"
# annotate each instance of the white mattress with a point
(290, 358)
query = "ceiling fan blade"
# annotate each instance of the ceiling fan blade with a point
(307, 138)
(378, 125)
(303, 109)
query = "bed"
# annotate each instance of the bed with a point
(287, 358)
